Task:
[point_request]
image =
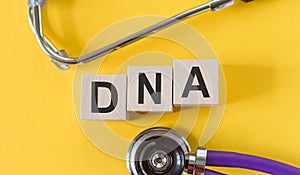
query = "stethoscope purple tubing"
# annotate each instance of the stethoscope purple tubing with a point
(237, 160)
(210, 172)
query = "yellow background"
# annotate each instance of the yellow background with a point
(257, 44)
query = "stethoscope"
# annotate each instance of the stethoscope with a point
(60, 57)
(160, 150)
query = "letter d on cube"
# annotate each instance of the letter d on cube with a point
(103, 97)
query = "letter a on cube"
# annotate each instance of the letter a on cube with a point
(103, 97)
(195, 82)
(149, 89)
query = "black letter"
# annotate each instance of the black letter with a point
(114, 97)
(189, 85)
(156, 96)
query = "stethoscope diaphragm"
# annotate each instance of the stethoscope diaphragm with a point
(157, 151)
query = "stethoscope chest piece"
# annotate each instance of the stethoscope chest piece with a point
(157, 151)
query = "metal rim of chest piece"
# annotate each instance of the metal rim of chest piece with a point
(157, 151)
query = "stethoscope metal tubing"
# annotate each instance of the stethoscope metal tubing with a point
(49, 48)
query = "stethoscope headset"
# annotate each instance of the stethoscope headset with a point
(160, 150)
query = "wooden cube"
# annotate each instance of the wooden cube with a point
(149, 89)
(195, 82)
(103, 97)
